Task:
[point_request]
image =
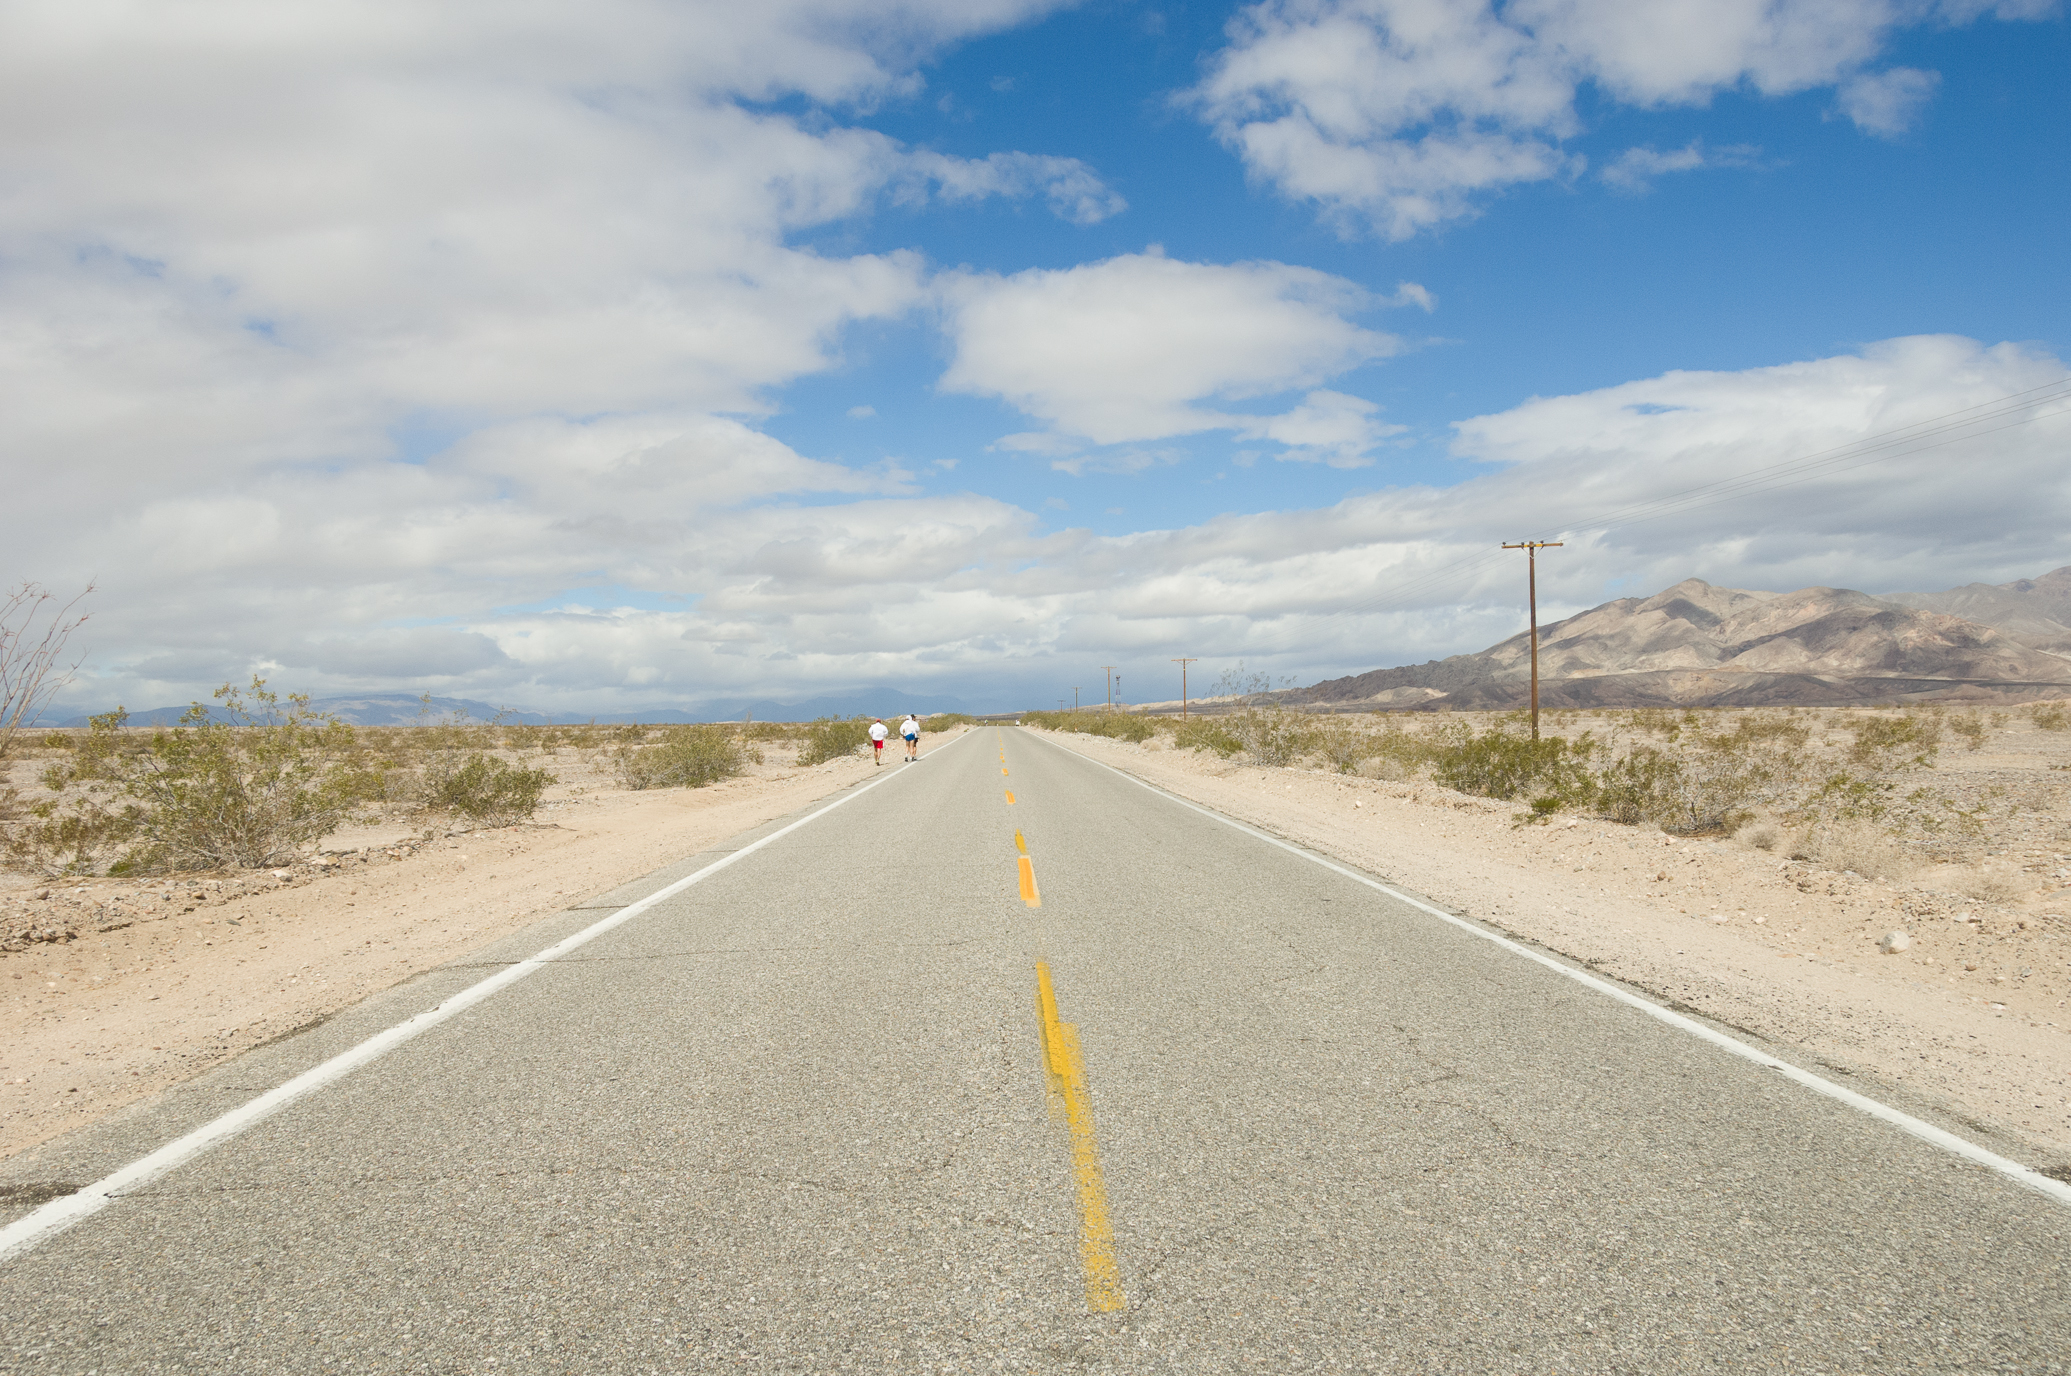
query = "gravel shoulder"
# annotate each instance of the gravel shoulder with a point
(1971, 1015)
(116, 989)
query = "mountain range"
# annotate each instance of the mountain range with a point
(404, 709)
(1695, 645)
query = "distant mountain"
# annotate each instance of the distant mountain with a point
(2034, 611)
(403, 709)
(1696, 645)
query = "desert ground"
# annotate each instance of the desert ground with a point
(115, 989)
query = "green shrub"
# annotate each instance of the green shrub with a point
(1885, 742)
(1271, 736)
(253, 790)
(2050, 716)
(830, 738)
(1121, 726)
(1497, 764)
(487, 790)
(687, 757)
(1206, 733)
(944, 721)
(1341, 744)
(1703, 792)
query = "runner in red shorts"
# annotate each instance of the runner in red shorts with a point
(877, 735)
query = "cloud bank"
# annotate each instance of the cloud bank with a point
(1398, 115)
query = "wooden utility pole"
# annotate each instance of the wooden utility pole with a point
(1110, 686)
(1531, 550)
(1182, 663)
(1075, 697)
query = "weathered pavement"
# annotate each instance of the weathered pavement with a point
(799, 1117)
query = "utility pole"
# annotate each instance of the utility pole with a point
(1182, 663)
(1531, 550)
(1110, 686)
(1060, 704)
(1075, 697)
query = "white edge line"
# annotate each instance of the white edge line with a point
(1905, 1122)
(42, 1224)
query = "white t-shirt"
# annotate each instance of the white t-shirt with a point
(877, 731)
(909, 727)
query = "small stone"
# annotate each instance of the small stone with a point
(1894, 942)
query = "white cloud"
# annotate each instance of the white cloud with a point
(861, 583)
(1399, 114)
(861, 412)
(1072, 189)
(1887, 103)
(1329, 428)
(1635, 169)
(1144, 347)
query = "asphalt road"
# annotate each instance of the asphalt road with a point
(804, 1116)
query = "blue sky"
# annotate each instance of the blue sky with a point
(646, 353)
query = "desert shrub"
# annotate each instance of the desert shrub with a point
(686, 757)
(78, 836)
(251, 788)
(1205, 733)
(1120, 726)
(1887, 742)
(1970, 728)
(943, 721)
(1498, 764)
(1694, 793)
(829, 738)
(488, 790)
(2050, 716)
(1988, 883)
(1271, 736)
(1853, 843)
(1049, 721)
(1340, 743)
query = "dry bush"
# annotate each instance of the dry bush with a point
(2050, 716)
(1990, 882)
(1853, 843)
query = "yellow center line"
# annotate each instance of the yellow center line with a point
(1066, 1067)
(1019, 843)
(1029, 893)
(1010, 795)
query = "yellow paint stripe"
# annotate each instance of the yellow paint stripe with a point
(1010, 795)
(1029, 895)
(1020, 844)
(1067, 1072)
(1003, 769)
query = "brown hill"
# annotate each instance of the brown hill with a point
(1695, 645)
(2034, 611)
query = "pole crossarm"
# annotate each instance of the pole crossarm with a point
(1531, 550)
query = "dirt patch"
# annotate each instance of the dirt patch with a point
(112, 990)
(1971, 1011)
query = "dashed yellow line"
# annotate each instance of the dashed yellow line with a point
(1066, 1068)
(1029, 893)
(1010, 796)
